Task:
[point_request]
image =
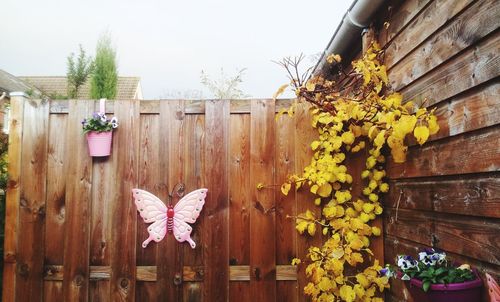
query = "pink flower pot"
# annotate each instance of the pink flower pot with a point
(99, 143)
(454, 292)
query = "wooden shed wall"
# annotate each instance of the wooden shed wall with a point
(73, 233)
(445, 55)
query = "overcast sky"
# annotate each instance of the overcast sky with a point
(167, 43)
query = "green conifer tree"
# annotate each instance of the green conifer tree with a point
(105, 75)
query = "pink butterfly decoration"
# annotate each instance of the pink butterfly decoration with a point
(167, 218)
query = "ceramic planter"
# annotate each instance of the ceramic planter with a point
(99, 143)
(454, 292)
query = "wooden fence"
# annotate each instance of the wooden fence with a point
(73, 233)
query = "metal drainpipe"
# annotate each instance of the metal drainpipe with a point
(358, 17)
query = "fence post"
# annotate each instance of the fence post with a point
(17, 100)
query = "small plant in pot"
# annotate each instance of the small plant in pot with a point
(433, 278)
(99, 131)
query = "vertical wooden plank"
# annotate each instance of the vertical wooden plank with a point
(149, 175)
(123, 210)
(53, 291)
(239, 201)
(56, 204)
(78, 199)
(169, 261)
(215, 232)
(262, 211)
(105, 182)
(304, 135)
(99, 290)
(29, 279)
(286, 235)
(13, 197)
(192, 149)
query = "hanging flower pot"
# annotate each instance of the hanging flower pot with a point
(99, 130)
(99, 143)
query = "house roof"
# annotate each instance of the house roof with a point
(127, 87)
(10, 83)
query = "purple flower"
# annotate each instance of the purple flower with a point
(95, 116)
(431, 257)
(406, 262)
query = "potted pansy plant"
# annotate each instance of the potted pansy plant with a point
(99, 131)
(432, 278)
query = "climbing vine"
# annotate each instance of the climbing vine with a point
(351, 111)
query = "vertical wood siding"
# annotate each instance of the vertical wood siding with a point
(445, 55)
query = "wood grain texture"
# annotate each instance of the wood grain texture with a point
(149, 176)
(477, 236)
(143, 273)
(196, 107)
(479, 20)
(400, 14)
(104, 188)
(56, 190)
(99, 290)
(474, 195)
(13, 198)
(194, 127)
(458, 155)
(411, 225)
(78, 201)
(432, 17)
(30, 242)
(240, 291)
(193, 153)
(193, 150)
(472, 110)
(104, 180)
(239, 200)
(471, 68)
(52, 291)
(172, 140)
(286, 235)
(123, 211)
(304, 135)
(263, 207)
(216, 223)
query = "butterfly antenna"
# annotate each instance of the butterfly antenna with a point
(179, 189)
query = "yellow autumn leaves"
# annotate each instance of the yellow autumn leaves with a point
(348, 120)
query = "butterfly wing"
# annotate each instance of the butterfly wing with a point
(182, 232)
(151, 209)
(189, 207)
(187, 211)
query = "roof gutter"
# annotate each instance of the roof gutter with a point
(358, 17)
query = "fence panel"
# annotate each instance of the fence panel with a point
(78, 232)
